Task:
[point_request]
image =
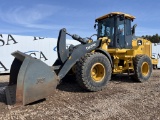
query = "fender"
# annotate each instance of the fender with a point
(106, 54)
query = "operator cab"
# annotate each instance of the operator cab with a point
(117, 27)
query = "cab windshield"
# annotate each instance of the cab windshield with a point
(106, 28)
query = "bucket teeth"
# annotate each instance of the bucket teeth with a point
(10, 92)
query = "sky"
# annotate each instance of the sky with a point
(45, 18)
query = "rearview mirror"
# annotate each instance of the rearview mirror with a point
(133, 29)
(95, 26)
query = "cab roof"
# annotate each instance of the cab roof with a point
(115, 13)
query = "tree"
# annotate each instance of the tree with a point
(154, 38)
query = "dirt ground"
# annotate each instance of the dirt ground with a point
(122, 99)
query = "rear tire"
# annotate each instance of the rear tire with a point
(142, 68)
(93, 71)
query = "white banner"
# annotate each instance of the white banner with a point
(39, 47)
(156, 52)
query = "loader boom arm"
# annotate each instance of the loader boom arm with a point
(67, 59)
(62, 51)
(79, 52)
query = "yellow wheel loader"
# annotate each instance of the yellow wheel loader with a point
(115, 51)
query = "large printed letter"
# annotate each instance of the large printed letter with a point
(2, 66)
(2, 40)
(43, 56)
(10, 38)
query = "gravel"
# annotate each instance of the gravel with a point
(121, 99)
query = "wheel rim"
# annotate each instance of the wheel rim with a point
(98, 72)
(145, 69)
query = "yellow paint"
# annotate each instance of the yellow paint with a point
(70, 57)
(98, 72)
(115, 13)
(123, 58)
(154, 61)
(145, 68)
(105, 42)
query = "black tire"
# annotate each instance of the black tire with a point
(100, 66)
(142, 68)
(154, 67)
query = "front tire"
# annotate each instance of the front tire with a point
(93, 71)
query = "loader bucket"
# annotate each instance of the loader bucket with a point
(30, 80)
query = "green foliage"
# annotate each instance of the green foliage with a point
(154, 38)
